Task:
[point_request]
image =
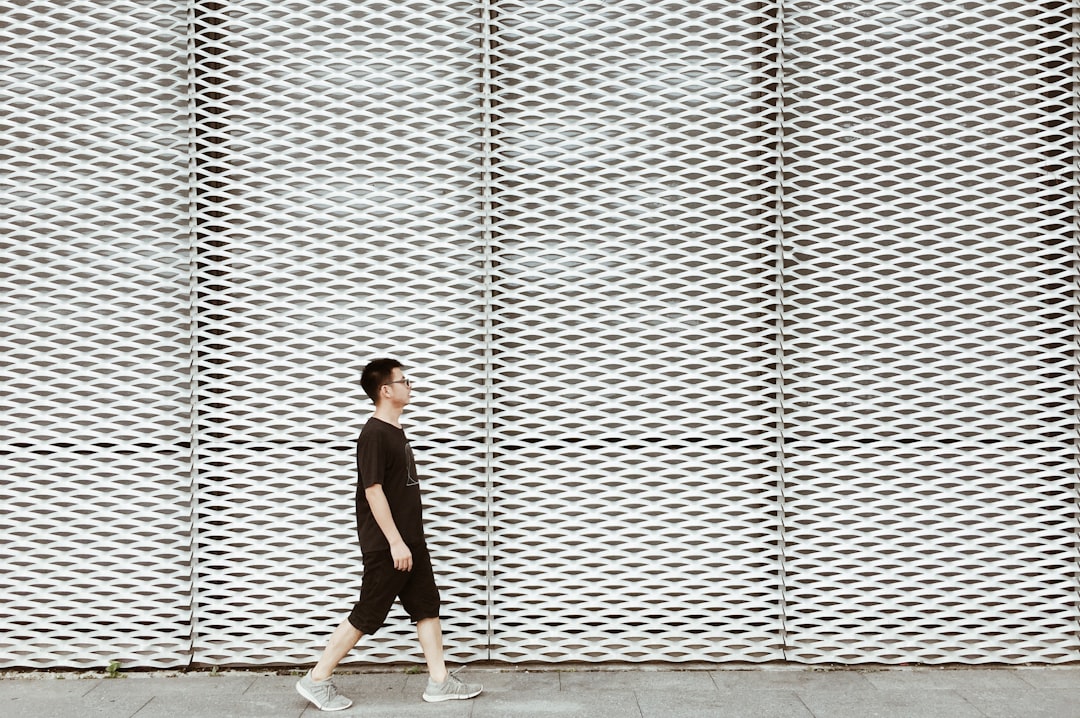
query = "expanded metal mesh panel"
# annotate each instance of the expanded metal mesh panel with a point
(741, 331)
(94, 273)
(634, 419)
(338, 170)
(929, 457)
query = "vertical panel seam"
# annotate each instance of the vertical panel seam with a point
(193, 323)
(487, 239)
(1075, 23)
(780, 50)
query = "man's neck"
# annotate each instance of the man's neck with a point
(389, 414)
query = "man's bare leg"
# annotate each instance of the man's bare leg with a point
(441, 686)
(316, 685)
(342, 640)
(429, 631)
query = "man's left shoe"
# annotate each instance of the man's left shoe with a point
(322, 693)
(452, 689)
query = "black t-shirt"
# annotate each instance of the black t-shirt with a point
(383, 456)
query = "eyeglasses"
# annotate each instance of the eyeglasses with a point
(406, 382)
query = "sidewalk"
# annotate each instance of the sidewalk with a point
(644, 692)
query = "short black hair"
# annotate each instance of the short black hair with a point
(376, 374)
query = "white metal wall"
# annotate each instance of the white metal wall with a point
(742, 331)
(929, 420)
(94, 332)
(634, 339)
(339, 220)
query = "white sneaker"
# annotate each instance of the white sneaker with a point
(452, 689)
(323, 694)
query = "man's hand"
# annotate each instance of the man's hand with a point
(402, 556)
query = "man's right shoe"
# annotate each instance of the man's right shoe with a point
(452, 689)
(322, 693)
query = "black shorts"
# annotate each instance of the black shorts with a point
(383, 583)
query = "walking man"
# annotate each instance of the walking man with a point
(389, 523)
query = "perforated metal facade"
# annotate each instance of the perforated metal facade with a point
(929, 434)
(95, 273)
(742, 331)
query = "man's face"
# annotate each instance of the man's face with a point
(398, 390)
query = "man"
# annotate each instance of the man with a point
(389, 523)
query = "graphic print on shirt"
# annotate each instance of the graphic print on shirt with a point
(413, 480)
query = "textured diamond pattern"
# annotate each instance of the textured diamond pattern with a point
(929, 445)
(95, 285)
(340, 204)
(635, 370)
(741, 331)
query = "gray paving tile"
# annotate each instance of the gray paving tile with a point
(373, 694)
(1051, 678)
(54, 707)
(545, 704)
(713, 704)
(790, 680)
(146, 687)
(950, 678)
(358, 685)
(118, 705)
(254, 696)
(889, 704)
(271, 696)
(398, 708)
(635, 680)
(261, 707)
(1033, 704)
(513, 680)
(1042, 692)
(41, 687)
